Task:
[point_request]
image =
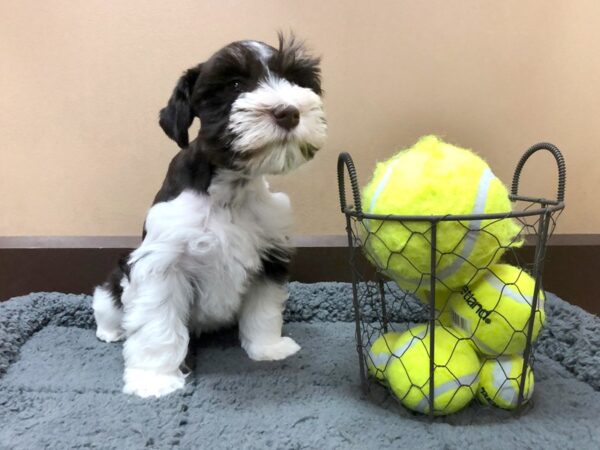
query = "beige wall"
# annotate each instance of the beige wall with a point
(81, 84)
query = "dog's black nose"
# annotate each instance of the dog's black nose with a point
(287, 117)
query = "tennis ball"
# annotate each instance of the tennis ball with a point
(500, 381)
(435, 178)
(442, 309)
(380, 353)
(494, 311)
(444, 318)
(456, 372)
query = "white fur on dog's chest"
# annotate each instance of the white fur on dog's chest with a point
(217, 245)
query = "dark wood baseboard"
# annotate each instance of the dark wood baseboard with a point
(77, 264)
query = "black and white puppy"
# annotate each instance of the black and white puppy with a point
(215, 249)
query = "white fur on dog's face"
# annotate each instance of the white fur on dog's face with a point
(239, 95)
(272, 149)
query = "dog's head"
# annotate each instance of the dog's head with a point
(259, 107)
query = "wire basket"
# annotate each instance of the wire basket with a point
(382, 305)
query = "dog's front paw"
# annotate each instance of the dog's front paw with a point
(146, 383)
(271, 352)
(109, 335)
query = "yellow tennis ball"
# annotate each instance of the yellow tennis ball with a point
(500, 381)
(444, 318)
(456, 372)
(494, 311)
(442, 309)
(379, 354)
(435, 178)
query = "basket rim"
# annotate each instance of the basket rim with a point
(349, 211)
(547, 206)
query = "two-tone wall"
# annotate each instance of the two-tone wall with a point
(81, 84)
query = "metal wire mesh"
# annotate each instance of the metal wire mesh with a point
(397, 289)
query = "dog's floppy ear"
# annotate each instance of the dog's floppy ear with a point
(177, 116)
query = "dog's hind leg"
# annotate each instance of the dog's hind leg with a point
(157, 304)
(108, 309)
(108, 314)
(261, 320)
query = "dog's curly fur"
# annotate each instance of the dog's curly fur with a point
(215, 247)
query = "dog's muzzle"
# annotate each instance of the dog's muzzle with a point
(287, 117)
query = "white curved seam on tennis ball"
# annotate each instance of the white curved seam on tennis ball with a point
(509, 291)
(399, 351)
(376, 194)
(483, 347)
(380, 187)
(508, 394)
(509, 386)
(474, 226)
(500, 380)
(379, 359)
(463, 381)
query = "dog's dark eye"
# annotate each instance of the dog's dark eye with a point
(237, 86)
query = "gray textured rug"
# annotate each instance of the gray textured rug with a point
(60, 387)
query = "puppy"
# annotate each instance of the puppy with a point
(215, 247)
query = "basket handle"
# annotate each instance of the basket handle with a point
(344, 159)
(560, 162)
